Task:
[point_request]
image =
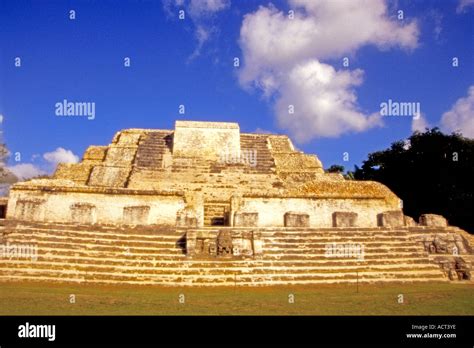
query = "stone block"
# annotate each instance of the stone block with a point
(205, 139)
(109, 176)
(136, 215)
(29, 209)
(433, 220)
(295, 219)
(245, 219)
(409, 221)
(95, 153)
(83, 213)
(394, 218)
(76, 172)
(120, 155)
(344, 219)
(127, 139)
(186, 218)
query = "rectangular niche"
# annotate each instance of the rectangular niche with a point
(29, 209)
(83, 213)
(136, 215)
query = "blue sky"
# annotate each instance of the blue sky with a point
(83, 60)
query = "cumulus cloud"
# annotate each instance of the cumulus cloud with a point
(463, 4)
(419, 124)
(460, 117)
(25, 171)
(324, 102)
(278, 51)
(61, 155)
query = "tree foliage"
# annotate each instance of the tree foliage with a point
(431, 172)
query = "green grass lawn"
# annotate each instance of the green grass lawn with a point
(418, 299)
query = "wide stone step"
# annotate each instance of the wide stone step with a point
(55, 255)
(43, 237)
(322, 250)
(236, 271)
(142, 231)
(233, 282)
(202, 278)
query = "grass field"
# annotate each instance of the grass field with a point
(418, 299)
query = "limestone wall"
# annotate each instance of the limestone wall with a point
(206, 139)
(82, 207)
(272, 210)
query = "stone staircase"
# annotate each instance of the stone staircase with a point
(152, 147)
(265, 162)
(216, 213)
(156, 255)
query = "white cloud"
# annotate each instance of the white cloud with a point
(25, 171)
(201, 13)
(419, 124)
(276, 48)
(202, 35)
(461, 116)
(324, 102)
(463, 4)
(61, 155)
(202, 8)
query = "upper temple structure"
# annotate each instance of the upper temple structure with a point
(201, 173)
(207, 205)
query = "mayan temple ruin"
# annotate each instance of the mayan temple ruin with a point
(205, 204)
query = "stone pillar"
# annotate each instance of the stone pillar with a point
(236, 202)
(190, 243)
(186, 218)
(245, 219)
(344, 219)
(257, 244)
(295, 219)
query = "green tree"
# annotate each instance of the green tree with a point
(335, 168)
(431, 172)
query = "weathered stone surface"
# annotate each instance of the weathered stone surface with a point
(344, 219)
(409, 221)
(136, 215)
(109, 176)
(83, 213)
(144, 162)
(186, 218)
(245, 219)
(29, 209)
(76, 172)
(433, 220)
(391, 219)
(123, 156)
(446, 243)
(95, 153)
(205, 138)
(224, 243)
(295, 219)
